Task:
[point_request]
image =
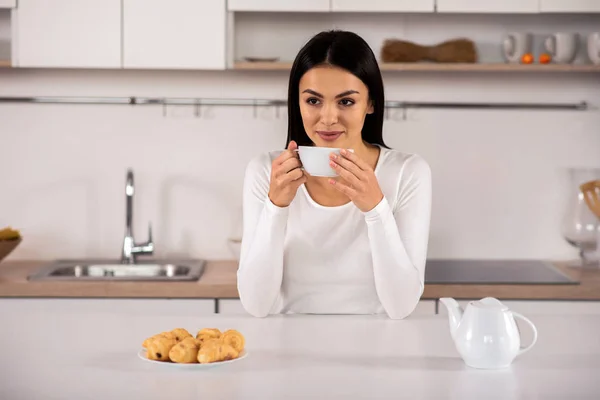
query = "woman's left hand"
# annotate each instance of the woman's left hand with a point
(359, 181)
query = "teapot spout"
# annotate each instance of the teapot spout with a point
(455, 313)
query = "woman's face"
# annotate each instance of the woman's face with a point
(333, 105)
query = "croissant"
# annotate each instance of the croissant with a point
(180, 334)
(159, 349)
(227, 352)
(235, 339)
(215, 352)
(185, 352)
(208, 333)
(209, 354)
(165, 335)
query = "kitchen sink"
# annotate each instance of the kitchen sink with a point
(114, 270)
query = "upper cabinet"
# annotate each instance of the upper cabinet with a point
(8, 3)
(570, 6)
(489, 6)
(68, 33)
(383, 5)
(280, 5)
(174, 34)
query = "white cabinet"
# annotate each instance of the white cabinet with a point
(570, 6)
(488, 6)
(68, 33)
(424, 308)
(539, 307)
(279, 5)
(8, 3)
(383, 5)
(234, 307)
(174, 34)
(231, 307)
(554, 307)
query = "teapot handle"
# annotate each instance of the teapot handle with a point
(535, 333)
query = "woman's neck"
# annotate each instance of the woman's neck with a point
(367, 152)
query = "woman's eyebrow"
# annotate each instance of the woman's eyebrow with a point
(346, 93)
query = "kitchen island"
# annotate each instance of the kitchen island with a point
(87, 349)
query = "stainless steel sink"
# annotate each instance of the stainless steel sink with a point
(114, 270)
(130, 266)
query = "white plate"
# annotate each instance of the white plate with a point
(262, 59)
(142, 355)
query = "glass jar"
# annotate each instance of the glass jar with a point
(580, 226)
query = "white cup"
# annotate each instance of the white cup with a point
(562, 47)
(515, 45)
(315, 160)
(593, 47)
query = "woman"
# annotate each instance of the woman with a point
(355, 244)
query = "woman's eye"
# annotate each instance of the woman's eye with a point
(312, 101)
(347, 102)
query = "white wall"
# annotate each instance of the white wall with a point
(499, 176)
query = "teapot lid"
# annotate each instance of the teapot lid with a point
(490, 303)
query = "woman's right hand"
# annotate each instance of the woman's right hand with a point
(286, 176)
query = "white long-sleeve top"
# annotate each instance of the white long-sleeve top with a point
(312, 259)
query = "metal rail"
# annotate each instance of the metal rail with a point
(164, 101)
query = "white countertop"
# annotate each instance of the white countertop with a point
(87, 349)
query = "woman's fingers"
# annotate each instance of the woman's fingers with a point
(287, 166)
(291, 176)
(355, 159)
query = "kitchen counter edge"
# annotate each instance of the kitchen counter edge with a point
(219, 282)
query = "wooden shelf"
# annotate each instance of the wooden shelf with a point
(432, 67)
(5, 64)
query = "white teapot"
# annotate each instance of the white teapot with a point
(486, 334)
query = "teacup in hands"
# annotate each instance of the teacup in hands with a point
(315, 160)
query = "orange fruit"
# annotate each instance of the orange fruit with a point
(527, 58)
(545, 58)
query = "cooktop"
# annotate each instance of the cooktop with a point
(473, 271)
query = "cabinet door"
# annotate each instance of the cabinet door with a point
(278, 5)
(68, 33)
(488, 6)
(174, 34)
(383, 5)
(8, 3)
(231, 307)
(570, 6)
(234, 307)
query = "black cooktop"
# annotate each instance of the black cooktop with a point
(472, 271)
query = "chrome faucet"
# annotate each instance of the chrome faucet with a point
(130, 249)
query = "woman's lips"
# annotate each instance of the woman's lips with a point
(329, 136)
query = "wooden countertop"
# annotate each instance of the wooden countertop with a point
(219, 281)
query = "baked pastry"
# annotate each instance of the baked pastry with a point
(181, 334)
(185, 352)
(214, 352)
(211, 341)
(167, 335)
(159, 348)
(209, 346)
(234, 339)
(208, 333)
(227, 352)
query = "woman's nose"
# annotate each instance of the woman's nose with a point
(329, 115)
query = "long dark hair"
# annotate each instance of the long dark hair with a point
(345, 50)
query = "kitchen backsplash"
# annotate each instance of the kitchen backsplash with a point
(499, 180)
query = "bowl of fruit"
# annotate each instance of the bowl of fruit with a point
(9, 240)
